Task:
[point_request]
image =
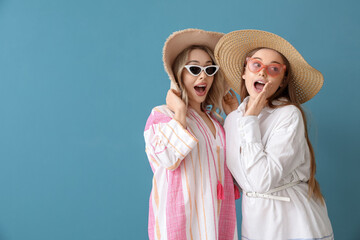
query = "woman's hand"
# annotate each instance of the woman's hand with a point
(230, 102)
(260, 102)
(177, 105)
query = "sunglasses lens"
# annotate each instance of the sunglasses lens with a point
(254, 66)
(195, 70)
(274, 70)
(210, 71)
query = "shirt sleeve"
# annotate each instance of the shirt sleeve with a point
(167, 142)
(263, 165)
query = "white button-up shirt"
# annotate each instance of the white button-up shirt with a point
(265, 152)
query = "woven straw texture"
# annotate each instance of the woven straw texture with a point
(232, 48)
(180, 40)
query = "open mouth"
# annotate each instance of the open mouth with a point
(259, 85)
(200, 89)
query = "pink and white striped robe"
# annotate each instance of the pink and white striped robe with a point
(187, 165)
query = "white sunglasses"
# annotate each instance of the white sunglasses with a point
(195, 70)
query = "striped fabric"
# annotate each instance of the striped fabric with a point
(187, 165)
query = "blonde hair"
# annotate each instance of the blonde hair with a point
(215, 94)
(287, 91)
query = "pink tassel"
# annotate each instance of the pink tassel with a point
(237, 192)
(220, 191)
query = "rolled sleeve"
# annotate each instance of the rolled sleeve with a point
(178, 138)
(167, 141)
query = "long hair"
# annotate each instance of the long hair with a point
(215, 94)
(288, 92)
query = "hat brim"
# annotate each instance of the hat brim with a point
(232, 48)
(180, 40)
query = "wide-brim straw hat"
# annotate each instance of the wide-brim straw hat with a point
(232, 48)
(180, 40)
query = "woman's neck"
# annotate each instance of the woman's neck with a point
(196, 107)
(249, 103)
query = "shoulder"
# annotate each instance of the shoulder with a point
(288, 117)
(288, 110)
(159, 114)
(231, 119)
(163, 109)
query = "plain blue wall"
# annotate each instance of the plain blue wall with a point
(78, 79)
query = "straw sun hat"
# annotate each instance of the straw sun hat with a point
(180, 40)
(231, 50)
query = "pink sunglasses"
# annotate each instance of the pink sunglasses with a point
(273, 69)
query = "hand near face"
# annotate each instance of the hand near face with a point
(260, 101)
(230, 102)
(262, 71)
(177, 105)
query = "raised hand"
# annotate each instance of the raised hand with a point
(260, 101)
(177, 105)
(230, 102)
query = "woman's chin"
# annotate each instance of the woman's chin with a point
(197, 100)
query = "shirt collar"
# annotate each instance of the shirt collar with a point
(242, 106)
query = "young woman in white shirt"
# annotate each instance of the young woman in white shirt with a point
(268, 148)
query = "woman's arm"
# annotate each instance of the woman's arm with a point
(176, 104)
(167, 141)
(263, 166)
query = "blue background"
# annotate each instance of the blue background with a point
(78, 79)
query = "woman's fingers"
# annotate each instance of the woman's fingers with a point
(177, 93)
(174, 101)
(260, 101)
(267, 86)
(232, 93)
(230, 102)
(227, 95)
(263, 95)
